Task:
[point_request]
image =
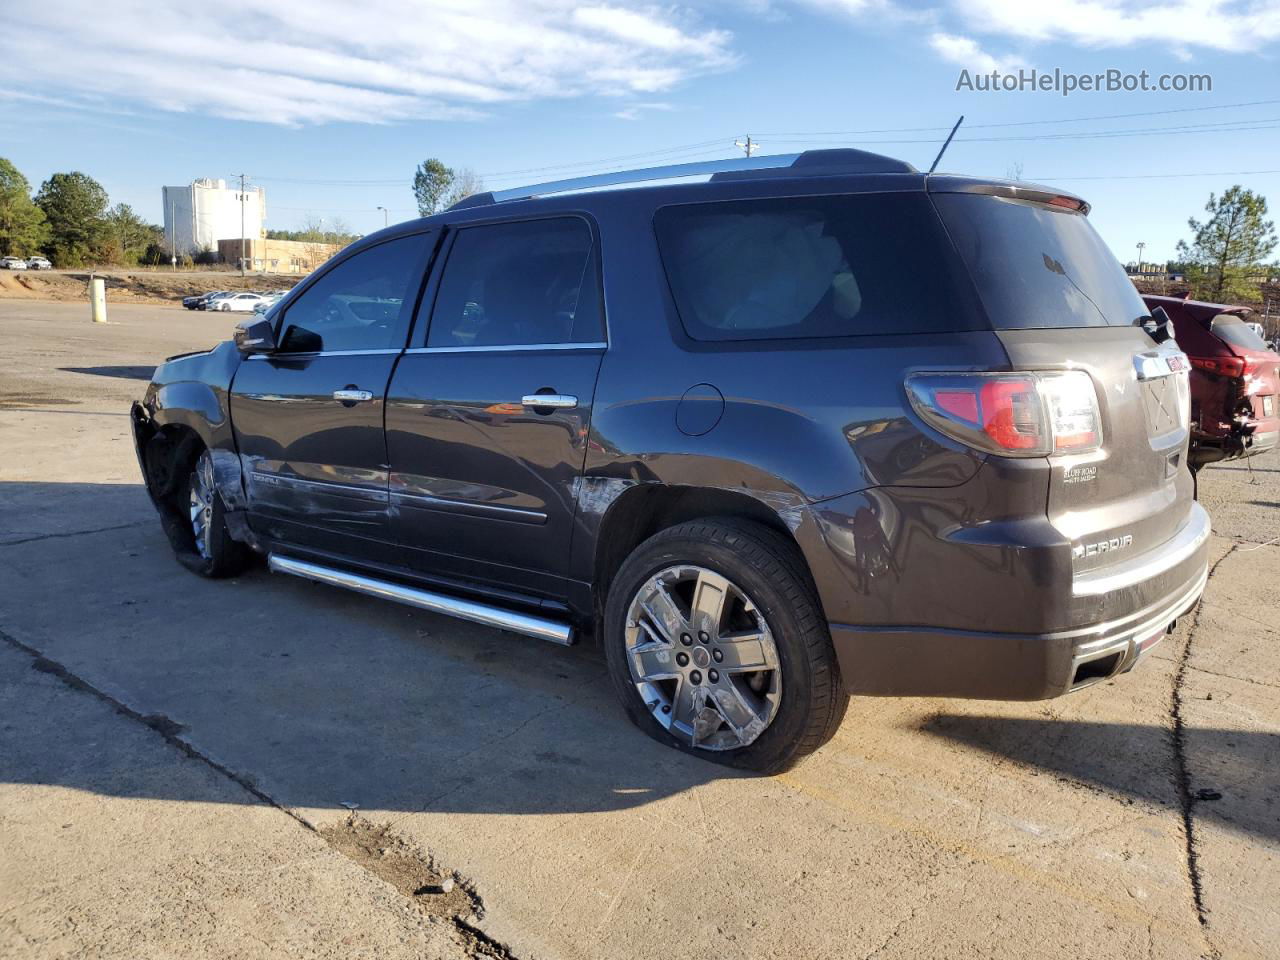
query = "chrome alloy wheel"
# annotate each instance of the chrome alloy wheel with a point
(703, 658)
(202, 505)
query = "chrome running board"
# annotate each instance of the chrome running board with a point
(525, 623)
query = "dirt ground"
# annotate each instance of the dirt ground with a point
(159, 286)
(264, 767)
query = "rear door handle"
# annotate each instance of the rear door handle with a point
(352, 396)
(548, 400)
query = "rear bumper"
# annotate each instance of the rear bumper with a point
(1207, 449)
(931, 661)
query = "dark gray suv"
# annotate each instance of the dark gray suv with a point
(812, 426)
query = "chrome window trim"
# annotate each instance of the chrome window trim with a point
(384, 352)
(593, 345)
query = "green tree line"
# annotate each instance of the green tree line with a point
(71, 221)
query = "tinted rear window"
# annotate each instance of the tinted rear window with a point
(804, 267)
(1236, 332)
(1038, 267)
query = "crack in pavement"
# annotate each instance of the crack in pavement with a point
(72, 533)
(1182, 776)
(475, 941)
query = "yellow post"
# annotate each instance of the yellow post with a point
(98, 299)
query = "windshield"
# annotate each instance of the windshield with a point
(1038, 267)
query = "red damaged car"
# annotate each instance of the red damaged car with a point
(1235, 380)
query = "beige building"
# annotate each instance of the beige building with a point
(277, 256)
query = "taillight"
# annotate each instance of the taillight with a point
(1223, 366)
(1012, 414)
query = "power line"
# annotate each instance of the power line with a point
(1026, 123)
(1243, 126)
(700, 146)
(1165, 176)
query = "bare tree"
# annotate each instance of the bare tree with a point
(466, 183)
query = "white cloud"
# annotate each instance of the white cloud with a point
(634, 111)
(331, 60)
(1228, 25)
(965, 52)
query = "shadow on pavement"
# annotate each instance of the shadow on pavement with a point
(1113, 757)
(119, 372)
(317, 696)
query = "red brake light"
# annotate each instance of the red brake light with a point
(1071, 203)
(1011, 413)
(958, 403)
(1223, 366)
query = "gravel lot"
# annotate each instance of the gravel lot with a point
(269, 768)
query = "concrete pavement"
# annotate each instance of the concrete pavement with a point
(927, 828)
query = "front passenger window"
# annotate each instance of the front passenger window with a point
(359, 304)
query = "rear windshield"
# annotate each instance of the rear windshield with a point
(1237, 332)
(805, 267)
(1038, 267)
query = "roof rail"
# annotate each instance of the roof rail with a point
(807, 164)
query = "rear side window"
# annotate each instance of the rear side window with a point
(806, 267)
(1038, 267)
(519, 284)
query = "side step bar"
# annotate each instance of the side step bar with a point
(525, 623)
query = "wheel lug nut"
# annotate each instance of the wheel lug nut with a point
(686, 639)
(682, 658)
(695, 677)
(702, 635)
(714, 676)
(718, 654)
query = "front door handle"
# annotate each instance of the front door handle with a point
(548, 400)
(349, 395)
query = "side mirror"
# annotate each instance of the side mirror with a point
(1158, 326)
(255, 336)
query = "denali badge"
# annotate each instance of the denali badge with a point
(1102, 546)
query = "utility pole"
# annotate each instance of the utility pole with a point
(1141, 246)
(747, 146)
(242, 198)
(384, 216)
(173, 236)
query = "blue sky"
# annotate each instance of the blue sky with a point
(330, 92)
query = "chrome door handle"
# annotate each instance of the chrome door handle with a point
(548, 400)
(352, 396)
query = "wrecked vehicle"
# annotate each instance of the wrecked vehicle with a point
(1235, 380)
(818, 425)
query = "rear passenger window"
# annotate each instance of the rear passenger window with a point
(516, 284)
(803, 267)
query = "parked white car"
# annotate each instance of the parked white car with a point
(12, 263)
(268, 301)
(38, 263)
(239, 302)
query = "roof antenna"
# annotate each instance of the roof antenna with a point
(946, 144)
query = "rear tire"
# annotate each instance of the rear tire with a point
(755, 686)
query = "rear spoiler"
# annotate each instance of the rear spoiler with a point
(1009, 190)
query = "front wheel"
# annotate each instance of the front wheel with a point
(212, 553)
(717, 646)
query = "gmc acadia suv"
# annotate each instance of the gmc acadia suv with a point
(816, 425)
